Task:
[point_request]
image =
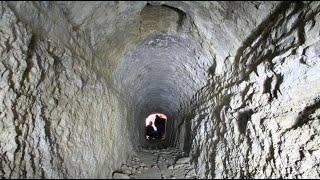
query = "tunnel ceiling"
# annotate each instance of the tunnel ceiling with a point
(226, 24)
(161, 72)
(159, 53)
(166, 64)
(172, 38)
(110, 29)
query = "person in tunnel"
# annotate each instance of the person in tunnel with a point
(160, 124)
(150, 132)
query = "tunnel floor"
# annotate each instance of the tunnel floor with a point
(169, 163)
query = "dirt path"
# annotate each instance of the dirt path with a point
(157, 164)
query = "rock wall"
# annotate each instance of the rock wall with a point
(131, 45)
(58, 119)
(259, 114)
(239, 82)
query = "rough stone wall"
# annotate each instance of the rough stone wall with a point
(106, 33)
(65, 113)
(58, 119)
(259, 116)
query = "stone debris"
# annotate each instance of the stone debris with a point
(183, 160)
(120, 176)
(155, 167)
(151, 167)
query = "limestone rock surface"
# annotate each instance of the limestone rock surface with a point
(238, 81)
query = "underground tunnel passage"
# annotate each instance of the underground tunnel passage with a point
(238, 83)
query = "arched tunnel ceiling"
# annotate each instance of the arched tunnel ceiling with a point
(225, 23)
(162, 70)
(108, 27)
(112, 36)
(152, 55)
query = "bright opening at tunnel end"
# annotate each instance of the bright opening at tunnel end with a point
(156, 126)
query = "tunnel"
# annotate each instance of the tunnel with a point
(237, 81)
